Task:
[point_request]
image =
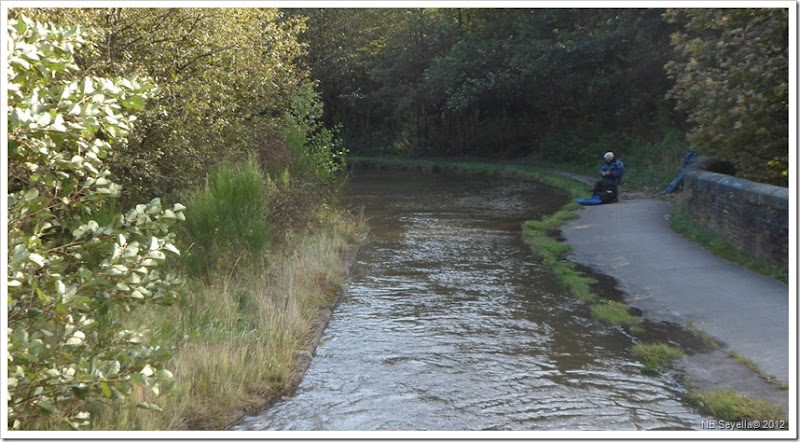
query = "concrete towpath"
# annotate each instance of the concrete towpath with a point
(673, 279)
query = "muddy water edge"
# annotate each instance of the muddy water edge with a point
(450, 323)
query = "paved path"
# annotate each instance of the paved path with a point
(672, 279)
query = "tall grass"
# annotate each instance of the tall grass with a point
(236, 339)
(248, 306)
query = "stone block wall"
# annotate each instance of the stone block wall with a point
(753, 217)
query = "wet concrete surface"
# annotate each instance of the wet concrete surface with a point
(671, 279)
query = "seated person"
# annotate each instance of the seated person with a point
(611, 175)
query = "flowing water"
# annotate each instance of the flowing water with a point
(448, 322)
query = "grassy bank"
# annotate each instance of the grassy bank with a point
(733, 407)
(238, 338)
(255, 295)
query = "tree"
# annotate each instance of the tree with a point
(532, 74)
(73, 268)
(370, 65)
(493, 82)
(228, 85)
(732, 79)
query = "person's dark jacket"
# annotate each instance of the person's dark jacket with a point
(617, 169)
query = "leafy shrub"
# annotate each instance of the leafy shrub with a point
(731, 73)
(68, 281)
(315, 150)
(222, 72)
(228, 219)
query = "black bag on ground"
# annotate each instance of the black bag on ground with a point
(606, 189)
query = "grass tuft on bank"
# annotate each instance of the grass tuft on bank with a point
(656, 357)
(614, 313)
(734, 407)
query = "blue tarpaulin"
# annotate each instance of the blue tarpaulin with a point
(593, 201)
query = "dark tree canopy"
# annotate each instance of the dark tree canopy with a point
(547, 82)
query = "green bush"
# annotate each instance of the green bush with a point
(731, 78)
(316, 151)
(228, 219)
(72, 268)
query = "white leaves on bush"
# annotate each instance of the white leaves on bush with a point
(68, 270)
(38, 259)
(77, 338)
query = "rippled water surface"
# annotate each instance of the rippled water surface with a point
(449, 323)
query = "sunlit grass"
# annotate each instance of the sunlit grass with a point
(656, 357)
(236, 340)
(614, 313)
(734, 407)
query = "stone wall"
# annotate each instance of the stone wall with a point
(753, 217)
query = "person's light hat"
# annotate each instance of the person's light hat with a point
(608, 155)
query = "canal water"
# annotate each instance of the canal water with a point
(449, 322)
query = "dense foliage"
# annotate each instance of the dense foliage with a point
(559, 84)
(496, 82)
(731, 73)
(71, 271)
(211, 87)
(228, 84)
(229, 119)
